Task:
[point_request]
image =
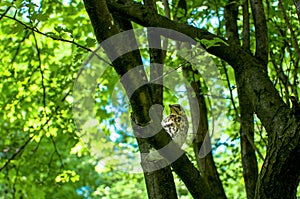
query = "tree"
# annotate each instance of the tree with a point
(256, 49)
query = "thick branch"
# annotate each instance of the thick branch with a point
(270, 108)
(160, 183)
(250, 170)
(261, 31)
(201, 142)
(280, 172)
(246, 26)
(148, 18)
(231, 16)
(104, 27)
(262, 94)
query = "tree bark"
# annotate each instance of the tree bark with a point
(246, 26)
(159, 183)
(246, 119)
(201, 141)
(269, 107)
(261, 31)
(105, 26)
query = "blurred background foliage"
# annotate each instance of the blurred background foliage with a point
(43, 46)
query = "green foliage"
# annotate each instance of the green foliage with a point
(43, 46)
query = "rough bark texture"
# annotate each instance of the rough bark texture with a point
(280, 175)
(246, 26)
(250, 169)
(159, 183)
(261, 31)
(249, 162)
(105, 26)
(206, 164)
(230, 15)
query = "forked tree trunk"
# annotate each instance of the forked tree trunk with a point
(280, 174)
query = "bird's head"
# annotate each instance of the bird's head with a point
(176, 109)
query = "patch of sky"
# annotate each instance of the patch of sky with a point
(116, 127)
(223, 142)
(84, 191)
(181, 91)
(202, 22)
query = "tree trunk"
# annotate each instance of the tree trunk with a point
(201, 142)
(280, 174)
(159, 183)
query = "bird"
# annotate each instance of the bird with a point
(176, 124)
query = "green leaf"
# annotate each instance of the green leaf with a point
(6, 3)
(90, 42)
(212, 42)
(53, 35)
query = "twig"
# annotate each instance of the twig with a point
(30, 138)
(41, 71)
(56, 150)
(16, 153)
(59, 39)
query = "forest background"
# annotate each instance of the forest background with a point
(253, 121)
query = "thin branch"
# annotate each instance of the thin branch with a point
(30, 138)
(218, 17)
(297, 5)
(5, 12)
(294, 37)
(173, 70)
(230, 89)
(16, 153)
(41, 70)
(167, 8)
(59, 39)
(56, 150)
